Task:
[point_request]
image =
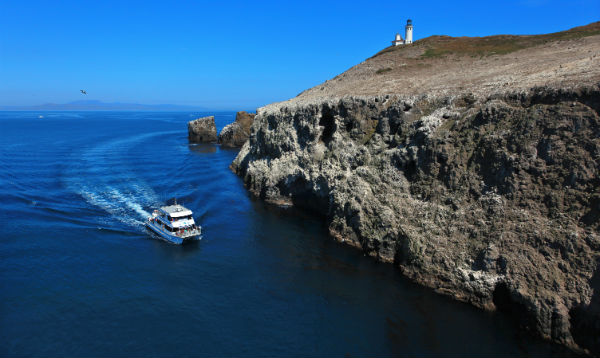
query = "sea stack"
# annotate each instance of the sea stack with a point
(202, 130)
(237, 133)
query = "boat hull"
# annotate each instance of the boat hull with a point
(171, 238)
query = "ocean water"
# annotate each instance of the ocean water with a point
(80, 276)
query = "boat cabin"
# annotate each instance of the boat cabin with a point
(175, 216)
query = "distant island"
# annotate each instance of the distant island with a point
(95, 105)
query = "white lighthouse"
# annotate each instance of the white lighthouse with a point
(408, 38)
(409, 29)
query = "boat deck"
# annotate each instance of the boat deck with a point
(176, 237)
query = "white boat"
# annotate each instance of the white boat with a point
(174, 223)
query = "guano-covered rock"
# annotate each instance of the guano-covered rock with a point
(202, 130)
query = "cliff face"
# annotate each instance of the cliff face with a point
(491, 196)
(493, 201)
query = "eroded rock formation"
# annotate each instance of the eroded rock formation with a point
(237, 133)
(202, 130)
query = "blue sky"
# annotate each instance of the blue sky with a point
(228, 54)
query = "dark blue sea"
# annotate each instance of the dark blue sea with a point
(80, 276)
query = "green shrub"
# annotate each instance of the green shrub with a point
(383, 70)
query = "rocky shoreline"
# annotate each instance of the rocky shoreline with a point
(471, 164)
(490, 199)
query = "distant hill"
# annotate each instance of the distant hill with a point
(95, 105)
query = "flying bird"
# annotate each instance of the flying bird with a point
(84, 92)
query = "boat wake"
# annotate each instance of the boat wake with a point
(103, 176)
(119, 204)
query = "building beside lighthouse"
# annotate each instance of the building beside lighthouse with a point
(408, 35)
(398, 40)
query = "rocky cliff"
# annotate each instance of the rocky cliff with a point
(486, 188)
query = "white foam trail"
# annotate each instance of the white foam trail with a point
(128, 201)
(100, 176)
(105, 202)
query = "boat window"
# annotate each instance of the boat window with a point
(183, 218)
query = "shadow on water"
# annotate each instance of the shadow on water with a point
(172, 251)
(414, 313)
(203, 148)
(586, 318)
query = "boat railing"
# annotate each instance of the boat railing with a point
(187, 232)
(179, 233)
